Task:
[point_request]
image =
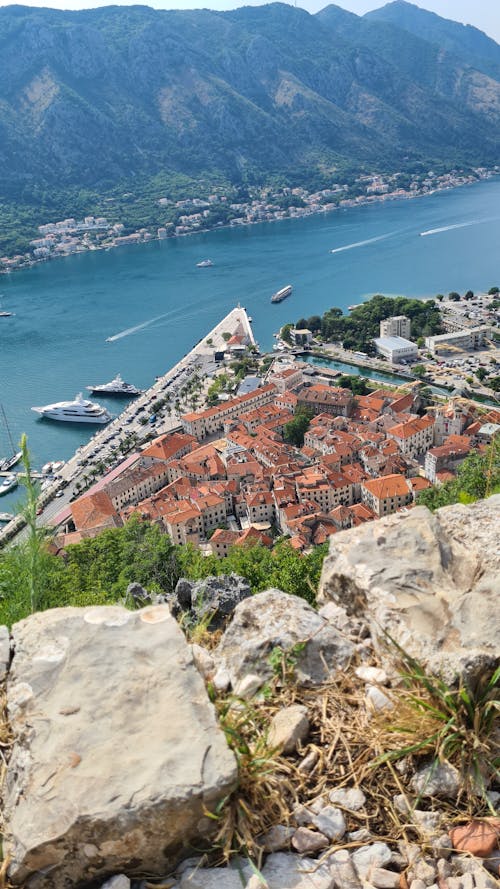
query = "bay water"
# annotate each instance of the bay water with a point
(154, 303)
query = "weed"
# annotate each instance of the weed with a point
(283, 662)
(460, 725)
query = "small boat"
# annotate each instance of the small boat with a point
(281, 294)
(8, 484)
(6, 516)
(11, 461)
(115, 387)
(77, 411)
(204, 264)
(6, 314)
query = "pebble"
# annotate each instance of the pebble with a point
(343, 870)
(222, 680)
(289, 728)
(203, 661)
(256, 882)
(418, 884)
(353, 798)
(277, 838)
(377, 700)
(372, 674)
(370, 857)
(308, 842)
(384, 879)
(468, 881)
(247, 686)
(331, 822)
(484, 881)
(309, 761)
(424, 870)
(302, 816)
(438, 779)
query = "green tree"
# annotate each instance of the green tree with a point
(419, 370)
(296, 429)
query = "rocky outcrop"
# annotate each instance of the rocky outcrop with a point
(210, 601)
(117, 752)
(430, 580)
(274, 632)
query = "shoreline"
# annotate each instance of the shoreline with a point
(364, 202)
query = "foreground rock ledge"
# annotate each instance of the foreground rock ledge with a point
(117, 748)
(430, 579)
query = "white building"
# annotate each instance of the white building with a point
(397, 325)
(464, 340)
(396, 348)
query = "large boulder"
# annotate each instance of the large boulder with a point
(271, 624)
(117, 752)
(429, 579)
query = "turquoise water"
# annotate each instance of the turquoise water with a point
(156, 304)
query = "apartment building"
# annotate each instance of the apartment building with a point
(208, 422)
(386, 495)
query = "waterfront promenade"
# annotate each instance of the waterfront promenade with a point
(133, 422)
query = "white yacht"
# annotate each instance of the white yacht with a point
(8, 483)
(116, 387)
(77, 411)
(204, 264)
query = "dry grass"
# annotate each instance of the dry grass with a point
(352, 747)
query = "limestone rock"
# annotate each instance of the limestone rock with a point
(277, 838)
(367, 858)
(430, 579)
(349, 798)
(289, 727)
(286, 870)
(203, 661)
(118, 882)
(307, 842)
(4, 652)
(331, 822)
(437, 779)
(275, 621)
(211, 600)
(103, 702)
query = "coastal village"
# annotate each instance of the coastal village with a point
(229, 474)
(68, 236)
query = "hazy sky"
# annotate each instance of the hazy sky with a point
(484, 14)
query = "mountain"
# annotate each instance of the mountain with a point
(481, 51)
(98, 97)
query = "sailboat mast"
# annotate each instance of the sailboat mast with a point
(7, 428)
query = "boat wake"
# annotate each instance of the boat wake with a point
(449, 228)
(362, 243)
(130, 330)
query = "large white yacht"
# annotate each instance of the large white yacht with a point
(77, 411)
(116, 387)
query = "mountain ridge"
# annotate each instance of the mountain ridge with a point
(99, 97)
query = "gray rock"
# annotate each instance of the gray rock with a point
(436, 780)
(309, 762)
(331, 822)
(384, 879)
(307, 842)
(277, 838)
(4, 652)
(118, 882)
(275, 621)
(289, 728)
(210, 601)
(138, 594)
(349, 798)
(377, 700)
(286, 870)
(430, 579)
(372, 675)
(343, 870)
(425, 870)
(234, 877)
(203, 661)
(102, 702)
(367, 858)
(248, 686)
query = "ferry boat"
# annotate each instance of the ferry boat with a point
(115, 387)
(8, 484)
(77, 411)
(281, 294)
(204, 264)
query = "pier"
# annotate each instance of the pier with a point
(105, 444)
